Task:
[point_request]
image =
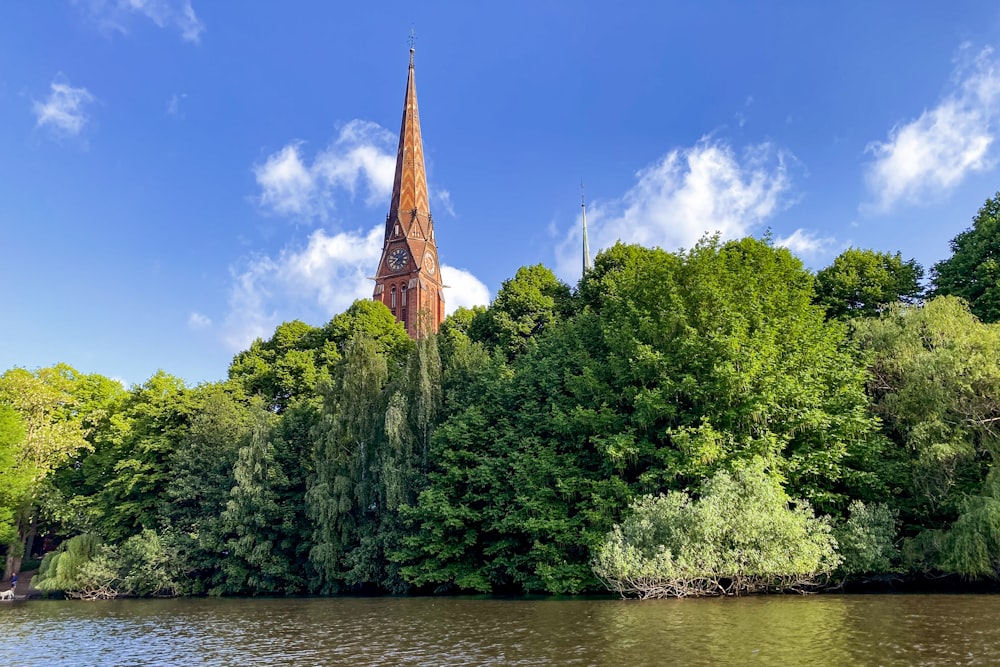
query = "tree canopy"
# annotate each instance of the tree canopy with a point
(973, 270)
(863, 283)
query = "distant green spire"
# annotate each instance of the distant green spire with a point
(586, 244)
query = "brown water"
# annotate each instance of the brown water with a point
(781, 630)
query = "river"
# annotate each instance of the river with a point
(776, 630)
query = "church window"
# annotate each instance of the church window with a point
(402, 295)
(392, 297)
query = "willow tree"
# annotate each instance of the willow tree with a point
(344, 500)
(935, 380)
(743, 535)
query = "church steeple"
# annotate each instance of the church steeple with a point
(408, 281)
(409, 187)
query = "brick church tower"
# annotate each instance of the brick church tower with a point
(408, 280)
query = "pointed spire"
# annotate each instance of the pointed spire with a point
(586, 244)
(409, 187)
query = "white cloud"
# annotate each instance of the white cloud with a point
(931, 155)
(314, 282)
(465, 290)
(198, 321)
(361, 154)
(63, 112)
(174, 14)
(318, 281)
(442, 199)
(688, 193)
(173, 105)
(804, 242)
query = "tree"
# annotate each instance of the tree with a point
(863, 283)
(973, 270)
(14, 482)
(718, 353)
(677, 366)
(54, 430)
(935, 383)
(136, 470)
(526, 305)
(201, 476)
(261, 527)
(344, 500)
(743, 535)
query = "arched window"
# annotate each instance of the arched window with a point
(392, 297)
(402, 295)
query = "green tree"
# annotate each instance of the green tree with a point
(54, 430)
(935, 381)
(14, 482)
(973, 270)
(284, 366)
(718, 353)
(677, 366)
(863, 283)
(261, 545)
(743, 535)
(343, 500)
(526, 305)
(866, 539)
(201, 477)
(136, 471)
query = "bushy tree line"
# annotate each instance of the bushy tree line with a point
(712, 421)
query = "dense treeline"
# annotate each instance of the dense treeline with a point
(717, 420)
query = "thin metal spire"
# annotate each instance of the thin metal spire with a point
(586, 244)
(413, 40)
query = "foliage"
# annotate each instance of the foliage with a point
(866, 539)
(617, 429)
(343, 501)
(55, 406)
(526, 305)
(863, 283)
(677, 366)
(13, 482)
(718, 353)
(136, 468)
(935, 381)
(145, 565)
(261, 543)
(973, 270)
(741, 536)
(61, 569)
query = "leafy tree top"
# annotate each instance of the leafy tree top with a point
(973, 270)
(865, 282)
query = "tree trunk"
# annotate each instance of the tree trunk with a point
(15, 550)
(29, 542)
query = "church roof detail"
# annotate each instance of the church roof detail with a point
(409, 187)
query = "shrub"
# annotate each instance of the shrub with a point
(60, 569)
(866, 539)
(744, 535)
(145, 565)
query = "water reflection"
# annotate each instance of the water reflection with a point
(813, 630)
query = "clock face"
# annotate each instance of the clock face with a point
(398, 258)
(429, 263)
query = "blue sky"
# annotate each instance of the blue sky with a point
(177, 177)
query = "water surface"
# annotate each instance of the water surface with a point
(778, 630)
